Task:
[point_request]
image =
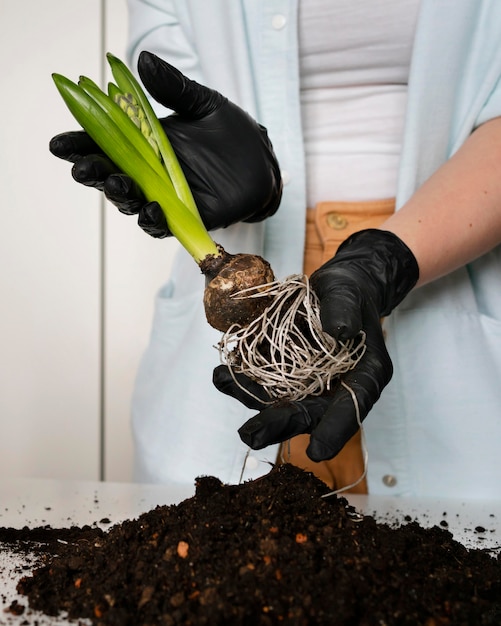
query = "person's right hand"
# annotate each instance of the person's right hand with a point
(226, 156)
(370, 274)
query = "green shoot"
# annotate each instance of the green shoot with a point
(124, 126)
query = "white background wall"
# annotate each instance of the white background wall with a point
(77, 279)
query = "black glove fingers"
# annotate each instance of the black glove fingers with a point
(174, 90)
(73, 145)
(153, 221)
(338, 424)
(366, 382)
(93, 170)
(375, 369)
(124, 193)
(282, 421)
(246, 391)
(347, 408)
(273, 425)
(341, 302)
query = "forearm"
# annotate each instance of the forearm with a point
(455, 216)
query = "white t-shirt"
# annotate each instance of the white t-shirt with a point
(354, 68)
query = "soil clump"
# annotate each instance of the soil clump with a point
(270, 551)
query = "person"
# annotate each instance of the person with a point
(385, 121)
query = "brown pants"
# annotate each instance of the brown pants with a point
(327, 226)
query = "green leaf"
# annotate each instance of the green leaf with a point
(127, 82)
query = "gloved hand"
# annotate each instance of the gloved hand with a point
(371, 273)
(226, 156)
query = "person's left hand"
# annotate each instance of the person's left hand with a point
(370, 274)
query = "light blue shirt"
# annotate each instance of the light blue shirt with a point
(435, 431)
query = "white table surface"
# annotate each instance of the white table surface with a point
(32, 502)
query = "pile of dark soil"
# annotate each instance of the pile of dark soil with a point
(271, 551)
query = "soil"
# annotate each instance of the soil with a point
(270, 551)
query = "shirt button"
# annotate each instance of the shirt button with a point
(389, 480)
(337, 221)
(251, 463)
(286, 177)
(278, 21)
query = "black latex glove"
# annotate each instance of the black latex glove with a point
(371, 273)
(226, 155)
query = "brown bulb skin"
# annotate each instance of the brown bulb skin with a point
(226, 276)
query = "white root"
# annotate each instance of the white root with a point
(275, 351)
